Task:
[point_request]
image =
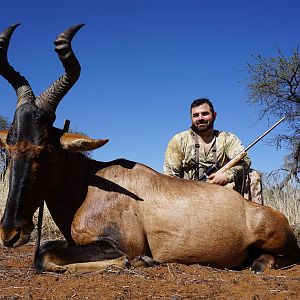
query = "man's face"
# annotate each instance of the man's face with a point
(202, 118)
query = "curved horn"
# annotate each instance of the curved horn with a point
(19, 83)
(50, 99)
(4, 43)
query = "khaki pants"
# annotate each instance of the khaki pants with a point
(255, 189)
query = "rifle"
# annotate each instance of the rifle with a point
(238, 157)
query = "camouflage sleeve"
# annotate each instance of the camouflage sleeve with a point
(233, 146)
(173, 158)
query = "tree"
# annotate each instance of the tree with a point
(274, 84)
(3, 123)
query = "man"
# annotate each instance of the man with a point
(190, 153)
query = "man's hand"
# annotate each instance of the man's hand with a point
(218, 178)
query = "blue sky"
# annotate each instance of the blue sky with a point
(143, 62)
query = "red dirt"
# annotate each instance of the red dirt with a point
(170, 281)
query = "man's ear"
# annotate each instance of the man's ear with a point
(79, 143)
(215, 115)
(3, 135)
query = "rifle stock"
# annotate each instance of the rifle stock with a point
(243, 153)
(232, 162)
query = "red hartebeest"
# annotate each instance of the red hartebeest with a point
(109, 211)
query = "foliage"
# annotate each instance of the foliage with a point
(3, 123)
(274, 84)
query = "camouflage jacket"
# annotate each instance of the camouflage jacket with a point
(180, 157)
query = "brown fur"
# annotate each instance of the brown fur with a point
(143, 212)
(189, 222)
(25, 147)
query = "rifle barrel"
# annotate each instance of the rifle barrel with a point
(265, 133)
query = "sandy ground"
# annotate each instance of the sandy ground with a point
(170, 281)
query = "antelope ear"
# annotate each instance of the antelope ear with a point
(3, 135)
(79, 143)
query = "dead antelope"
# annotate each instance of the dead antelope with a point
(113, 212)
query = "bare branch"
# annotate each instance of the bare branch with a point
(274, 84)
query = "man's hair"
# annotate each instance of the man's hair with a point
(201, 101)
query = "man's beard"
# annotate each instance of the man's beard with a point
(207, 127)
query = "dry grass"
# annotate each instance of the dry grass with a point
(286, 201)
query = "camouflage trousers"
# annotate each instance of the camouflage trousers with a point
(250, 186)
